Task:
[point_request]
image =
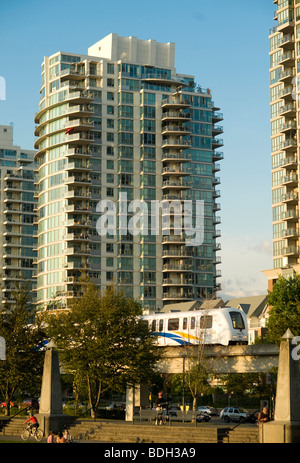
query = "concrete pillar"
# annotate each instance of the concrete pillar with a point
(286, 425)
(137, 396)
(50, 414)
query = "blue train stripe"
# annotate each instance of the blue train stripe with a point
(173, 337)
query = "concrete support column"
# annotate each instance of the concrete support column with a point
(286, 425)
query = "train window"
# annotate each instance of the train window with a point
(161, 325)
(153, 327)
(173, 324)
(206, 322)
(237, 321)
(184, 324)
(193, 323)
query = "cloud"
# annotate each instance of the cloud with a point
(243, 260)
(264, 246)
(198, 16)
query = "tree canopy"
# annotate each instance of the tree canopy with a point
(24, 362)
(102, 341)
(284, 302)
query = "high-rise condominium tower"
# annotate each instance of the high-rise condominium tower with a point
(17, 216)
(120, 120)
(284, 84)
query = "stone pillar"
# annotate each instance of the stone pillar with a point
(50, 414)
(137, 396)
(286, 425)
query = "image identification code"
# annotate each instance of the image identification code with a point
(151, 452)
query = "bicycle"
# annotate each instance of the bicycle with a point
(32, 432)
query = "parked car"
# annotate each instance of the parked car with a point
(207, 410)
(238, 415)
(203, 417)
(3, 404)
(34, 403)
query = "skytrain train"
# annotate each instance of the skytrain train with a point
(224, 326)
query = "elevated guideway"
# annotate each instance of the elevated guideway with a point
(258, 358)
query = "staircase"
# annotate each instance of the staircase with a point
(122, 432)
(12, 427)
(116, 432)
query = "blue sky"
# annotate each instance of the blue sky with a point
(223, 44)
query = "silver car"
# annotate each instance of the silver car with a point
(234, 414)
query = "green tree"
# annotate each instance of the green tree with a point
(24, 362)
(284, 302)
(102, 341)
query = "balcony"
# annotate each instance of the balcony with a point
(177, 282)
(77, 250)
(75, 223)
(176, 129)
(217, 156)
(287, 92)
(176, 185)
(80, 111)
(217, 143)
(290, 144)
(77, 237)
(178, 253)
(184, 157)
(290, 198)
(287, 75)
(288, 110)
(217, 130)
(78, 153)
(175, 171)
(217, 117)
(163, 80)
(291, 215)
(176, 143)
(179, 103)
(176, 116)
(77, 194)
(81, 138)
(290, 250)
(287, 42)
(78, 179)
(291, 179)
(287, 58)
(184, 295)
(173, 239)
(288, 126)
(177, 268)
(286, 26)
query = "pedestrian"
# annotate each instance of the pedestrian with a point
(60, 438)
(263, 416)
(50, 439)
(160, 403)
(67, 437)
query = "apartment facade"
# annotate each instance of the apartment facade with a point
(17, 216)
(284, 42)
(121, 125)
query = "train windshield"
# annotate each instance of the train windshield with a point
(237, 321)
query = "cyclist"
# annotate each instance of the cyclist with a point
(34, 424)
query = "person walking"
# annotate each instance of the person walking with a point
(160, 403)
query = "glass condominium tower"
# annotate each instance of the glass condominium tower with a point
(17, 216)
(284, 89)
(116, 123)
